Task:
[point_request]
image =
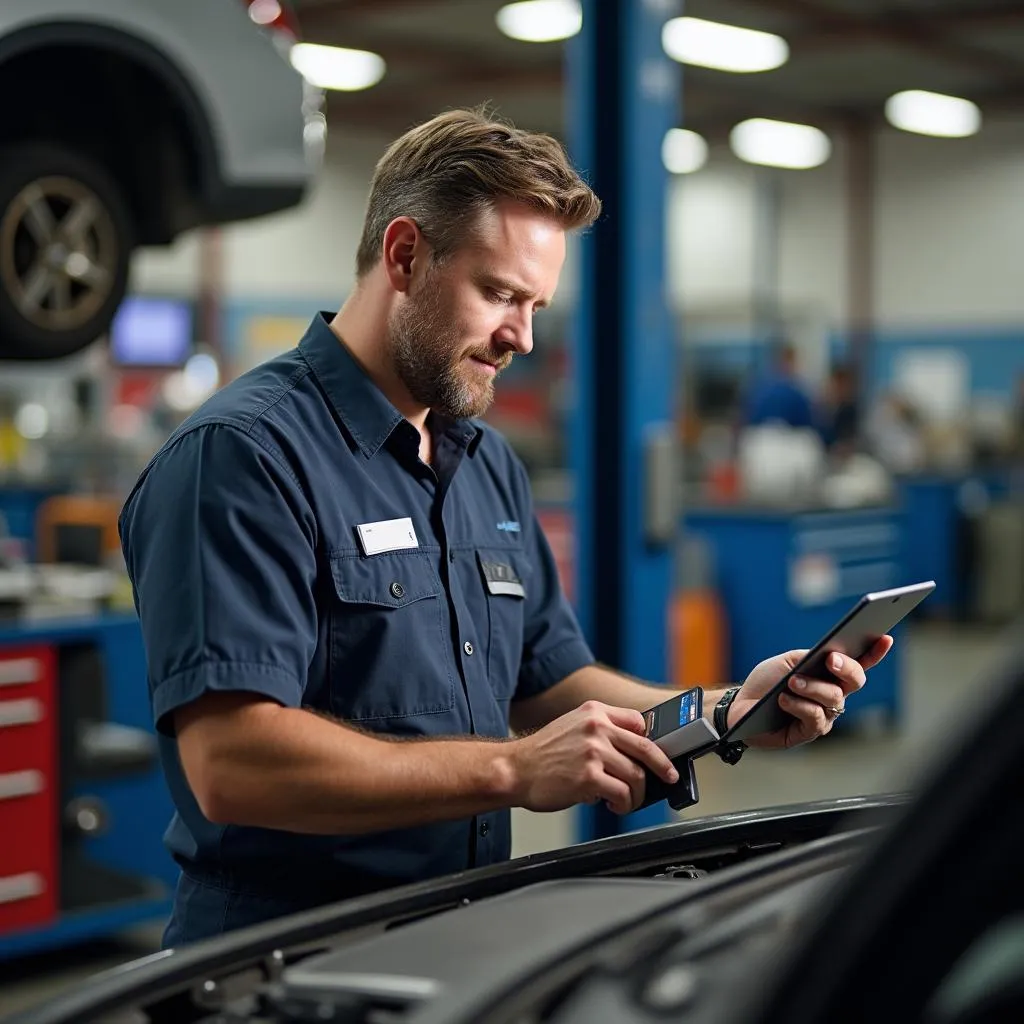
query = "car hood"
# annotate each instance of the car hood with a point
(468, 935)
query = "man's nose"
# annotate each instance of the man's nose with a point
(517, 332)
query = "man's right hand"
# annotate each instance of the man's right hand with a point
(596, 752)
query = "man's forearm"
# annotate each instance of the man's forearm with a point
(595, 682)
(289, 769)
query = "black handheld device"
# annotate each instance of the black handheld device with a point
(678, 725)
(679, 728)
(854, 635)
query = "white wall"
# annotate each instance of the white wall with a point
(949, 231)
(949, 235)
(950, 219)
(710, 236)
(812, 240)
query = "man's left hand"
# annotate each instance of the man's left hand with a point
(809, 700)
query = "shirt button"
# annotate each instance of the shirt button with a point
(397, 590)
(485, 828)
(451, 556)
(468, 648)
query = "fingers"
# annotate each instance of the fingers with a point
(791, 658)
(615, 754)
(620, 767)
(827, 695)
(849, 674)
(618, 794)
(626, 718)
(877, 653)
(641, 749)
(811, 720)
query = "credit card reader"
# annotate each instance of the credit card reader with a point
(679, 728)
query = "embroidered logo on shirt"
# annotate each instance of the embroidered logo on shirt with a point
(509, 526)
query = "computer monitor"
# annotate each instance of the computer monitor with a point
(152, 331)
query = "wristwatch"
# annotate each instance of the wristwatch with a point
(730, 753)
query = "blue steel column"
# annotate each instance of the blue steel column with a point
(623, 95)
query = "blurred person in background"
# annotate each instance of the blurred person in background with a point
(345, 597)
(838, 415)
(779, 397)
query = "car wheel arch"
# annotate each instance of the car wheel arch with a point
(187, 101)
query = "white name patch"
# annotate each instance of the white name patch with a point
(387, 535)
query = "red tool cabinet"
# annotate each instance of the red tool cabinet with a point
(29, 779)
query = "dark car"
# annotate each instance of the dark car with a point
(868, 909)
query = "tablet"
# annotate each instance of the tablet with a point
(854, 635)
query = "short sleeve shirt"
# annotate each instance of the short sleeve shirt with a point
(288, 541)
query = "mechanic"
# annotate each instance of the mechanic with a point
(345, 598)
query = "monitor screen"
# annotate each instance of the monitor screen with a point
(151, 331)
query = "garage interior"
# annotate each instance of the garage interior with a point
(884, 256)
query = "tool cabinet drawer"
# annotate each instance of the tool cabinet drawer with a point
(29, 780)
(28, 849)
(24, 667)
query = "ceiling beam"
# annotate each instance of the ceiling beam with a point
(925, 33)
(330, 11)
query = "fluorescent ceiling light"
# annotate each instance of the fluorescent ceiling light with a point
(683, 151)
(932, 113)
(334, 67)
(780, 144)
(540, 21)
(709, 44)
(264, 12)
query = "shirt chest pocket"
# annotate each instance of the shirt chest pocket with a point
(503, 577)
(389, 639)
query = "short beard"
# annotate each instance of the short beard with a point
(427, 358)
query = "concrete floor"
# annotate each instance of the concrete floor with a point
(946, 669)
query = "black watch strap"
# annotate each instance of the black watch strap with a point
(730, 753)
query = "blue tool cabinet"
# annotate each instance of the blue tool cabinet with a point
(89, 859)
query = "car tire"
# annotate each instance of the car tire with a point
(65, 247)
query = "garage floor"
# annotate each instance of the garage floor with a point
(946, 669)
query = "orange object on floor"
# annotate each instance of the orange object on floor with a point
(698, 640)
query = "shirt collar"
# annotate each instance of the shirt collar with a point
(363, 408)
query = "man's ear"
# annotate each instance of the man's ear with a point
(403, 245)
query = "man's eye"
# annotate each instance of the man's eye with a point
(495, 296)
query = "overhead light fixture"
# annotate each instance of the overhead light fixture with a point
(710, 44)
(780, 144)
(335, 67)
(683, 151)
(540, 21)
(932, 113)
(264, 12)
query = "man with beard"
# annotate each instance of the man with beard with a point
(345, 598)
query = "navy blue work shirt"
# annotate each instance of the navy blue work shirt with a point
(242, 539)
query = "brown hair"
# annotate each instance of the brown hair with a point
(446, 171)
